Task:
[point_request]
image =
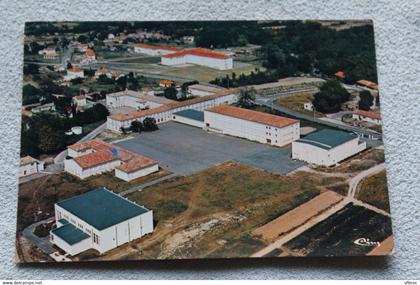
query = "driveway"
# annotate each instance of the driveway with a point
(185, 150)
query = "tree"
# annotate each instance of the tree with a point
(30, 94)
(171, 92)
(31, 69)
(50, 140)
(149, 124)
(330, 97)
(366, 100)
(136, 126)
(246, 97)
(77, 80)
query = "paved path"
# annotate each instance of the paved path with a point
(147, 184)
(42, 243)
(356, 179)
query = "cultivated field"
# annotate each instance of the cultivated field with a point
(335, 236)
(214, 212)
(297, 216)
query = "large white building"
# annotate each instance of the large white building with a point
(203, 90)
(136, 100)
(95, 157)
(327, 147)
(199, 56)
(99, 219)
(155, 50)
(252, 125)
(29, 165)
(164, 113)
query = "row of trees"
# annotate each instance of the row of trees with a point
(44, 132)
(148, 125)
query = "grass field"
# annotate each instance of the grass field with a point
(374, 190)
(295, 103)
(41, 194)
(212, 213)
(335, 236)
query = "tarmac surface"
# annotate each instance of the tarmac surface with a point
(185, 150)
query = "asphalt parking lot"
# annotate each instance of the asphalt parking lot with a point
(184, 150)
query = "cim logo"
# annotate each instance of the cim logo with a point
(366, 242)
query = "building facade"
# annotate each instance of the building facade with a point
(154, 50)
(99, 219)
(327, 147)
(29, 165)
(199, 56)
(367, 116)
(252, 125)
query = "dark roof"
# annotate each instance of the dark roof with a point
(327, 139)
(63, 221)
(102, 208)
(191, 114)
(70, 234)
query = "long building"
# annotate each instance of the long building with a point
(252, 125)
(99, 219)
(327, 147)
(164, 113)
(136, 100)
(199, 56)
(155, 50)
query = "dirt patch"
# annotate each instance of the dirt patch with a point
(297, 216)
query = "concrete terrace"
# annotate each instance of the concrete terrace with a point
(185, 150)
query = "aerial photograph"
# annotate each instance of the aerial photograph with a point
(200, 139)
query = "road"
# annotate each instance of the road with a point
(268, 102)
(42, 243)
(359, 177)
(145, 185)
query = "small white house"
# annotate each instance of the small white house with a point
(99, 219)
(29, 165)
(49, 53)
(80, 100)
(367, 116)
(91, 164)
(308, 106)
(74, 73)
(137, 167)
(252, 125)
(327, 147)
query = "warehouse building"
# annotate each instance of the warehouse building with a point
(199, 56)
(327, 147)
(99, 219)
(189, 117)
(155, 50)
(95, 157)
(252, 125)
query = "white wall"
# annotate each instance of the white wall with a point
(128, 176)
(221, 64)
(251, 130)
(366, 119)
(30, 169)
(188, 121)
(71, 249)
(73, 168)
(320, 156)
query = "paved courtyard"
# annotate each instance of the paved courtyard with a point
(184, 150)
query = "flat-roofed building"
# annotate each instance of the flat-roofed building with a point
(98, 219)
(252, 125)
(189, 117)
(327, 147)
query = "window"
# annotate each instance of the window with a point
(95, 238)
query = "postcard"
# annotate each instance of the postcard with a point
(204, 139)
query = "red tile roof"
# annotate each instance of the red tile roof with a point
(367, 114)
(80, 97)
(90, 52)
(340, 74)
(74, 69)
(94, 159)
(157, 47)
(198, 52)
(253, 116)
(166, 82)
(137, 163)
(367, 83)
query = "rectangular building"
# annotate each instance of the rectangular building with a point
(99, 219)
(136, 100)
(189, 117)
(29, 165)
(367, 116)
(155, 50)
(252, 125)
(327, 147)
(199, 56)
